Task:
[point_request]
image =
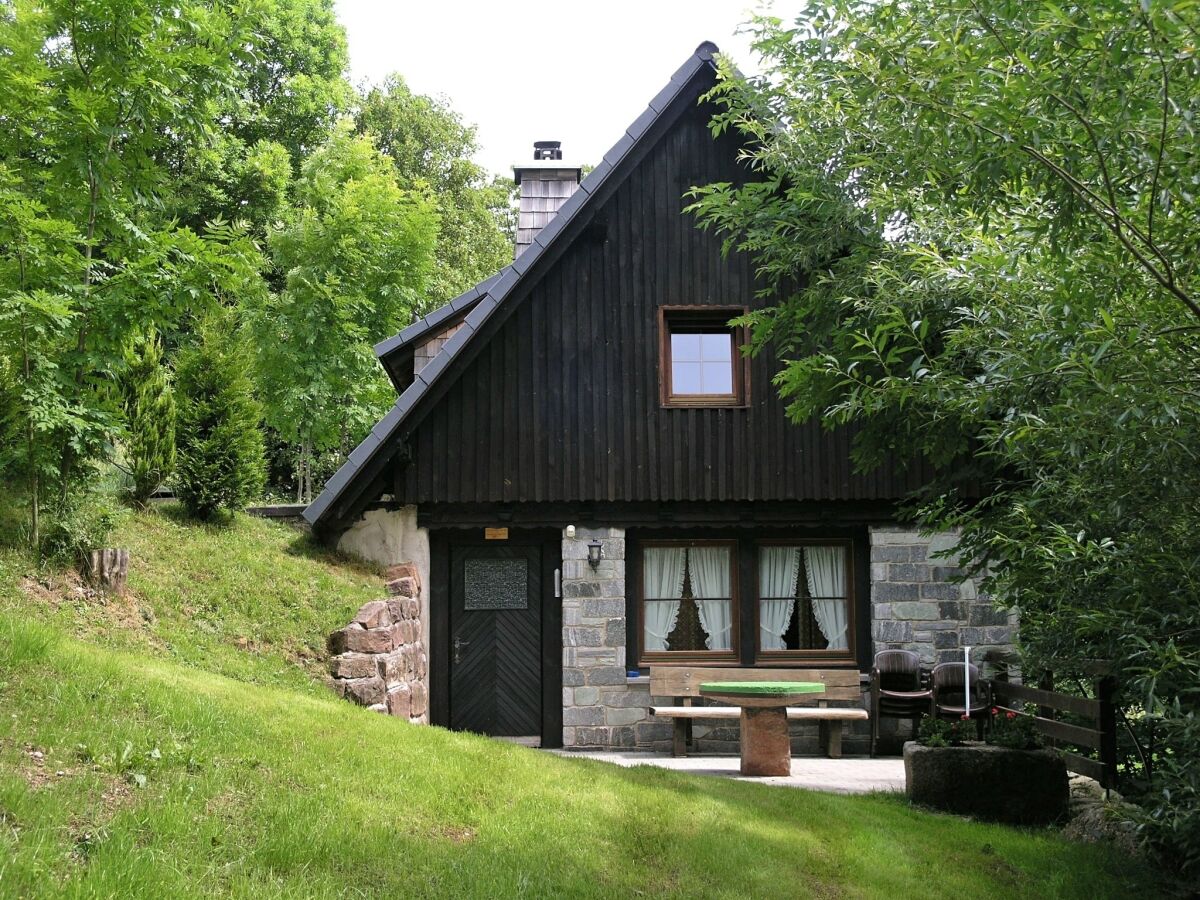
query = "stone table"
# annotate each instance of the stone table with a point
(766, 749)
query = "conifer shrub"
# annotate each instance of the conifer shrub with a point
(148, 399)
(221, 462)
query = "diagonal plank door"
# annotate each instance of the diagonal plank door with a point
(495, 640)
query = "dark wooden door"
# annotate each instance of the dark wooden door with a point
(495, 640)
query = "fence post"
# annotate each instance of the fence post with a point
(1106, 690)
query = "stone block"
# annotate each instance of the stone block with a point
(607, 608)
(353, 665)
(395, 666)
(898, 553)
(402, 587)
(613, 589)
(951, 611)
(592, 737)
(568, 737)
(630, 697)
(568, 696)
(614, 633)
(944, 542)
(582, 636)
(1002, 635)
(908, 572)
(982, 614)
(337, 685)
(586, 696)
(887, 592)
(578, 589)
(404, 570)
(881, 536)
(891, 631)
(422, 664)
(602, 675)
(374, 614)
(420, 698)
(365, 691)
(362, 640)
(939, 591)
(624, 715)
(945, 640)
(915, 611)
(967, 590)
(572, 677)
(399, 701)
(583, 715)
(653, 730)
(596, 656)
(624, 737)
(947, 573)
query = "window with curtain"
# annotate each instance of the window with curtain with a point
(688, 598)
(804, 598)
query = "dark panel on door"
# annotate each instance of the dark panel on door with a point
(495, 640)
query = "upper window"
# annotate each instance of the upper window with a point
(701, 364)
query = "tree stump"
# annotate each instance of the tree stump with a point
(107, 569)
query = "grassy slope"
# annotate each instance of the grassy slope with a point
(252, 600)
(181, 782)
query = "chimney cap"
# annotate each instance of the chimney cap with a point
(547, 149)
(547, 158)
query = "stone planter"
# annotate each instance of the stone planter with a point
(1020, 787)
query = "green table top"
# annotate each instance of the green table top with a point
(764, 688)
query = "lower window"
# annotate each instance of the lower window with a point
(804, 600)
(745, 600)
(688, 599)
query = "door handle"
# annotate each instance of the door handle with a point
(458, 645)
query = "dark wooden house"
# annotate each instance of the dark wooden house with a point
(591, 478)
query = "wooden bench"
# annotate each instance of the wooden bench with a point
(683, 683)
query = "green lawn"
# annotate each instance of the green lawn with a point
(179, 781)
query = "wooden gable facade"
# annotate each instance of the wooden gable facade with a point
(548, 487)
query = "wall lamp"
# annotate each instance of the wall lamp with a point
(594, 553)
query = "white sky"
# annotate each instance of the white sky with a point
(568, 71)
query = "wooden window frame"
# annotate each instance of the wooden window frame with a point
(717, 317)
(850, 654)
(658, 657)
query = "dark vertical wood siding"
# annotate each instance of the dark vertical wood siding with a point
(563, 403)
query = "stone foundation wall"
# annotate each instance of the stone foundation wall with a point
(378, 660)
(917, 602)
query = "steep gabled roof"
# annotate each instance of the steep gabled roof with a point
(481, 302)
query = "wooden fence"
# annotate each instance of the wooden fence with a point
(1099, 734)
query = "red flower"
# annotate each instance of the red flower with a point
(1011, 715)
(966, 716)
(995, 711)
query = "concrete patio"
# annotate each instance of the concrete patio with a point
(849, 775)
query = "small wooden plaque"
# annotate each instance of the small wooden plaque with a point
(495, 534)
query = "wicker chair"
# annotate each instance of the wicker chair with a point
(947, 681)
(897, 690)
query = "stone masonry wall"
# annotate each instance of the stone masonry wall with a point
(378, 660)
(917, 604)
(600, 707)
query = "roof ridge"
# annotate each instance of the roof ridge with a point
(502, 284)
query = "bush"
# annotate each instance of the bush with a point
(934, 732)
(1014, 731)
(148, 400)
(220, 446)
(82, 525)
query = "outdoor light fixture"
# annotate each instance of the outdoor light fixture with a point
(594, 548)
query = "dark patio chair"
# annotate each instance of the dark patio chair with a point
(897, 691)
(948, 701)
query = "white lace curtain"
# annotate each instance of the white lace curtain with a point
(778, 572)
(710, 571)
(662, 579)
(826, 569)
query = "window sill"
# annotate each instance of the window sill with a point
(637, 679)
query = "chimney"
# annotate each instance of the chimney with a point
(545, 184)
